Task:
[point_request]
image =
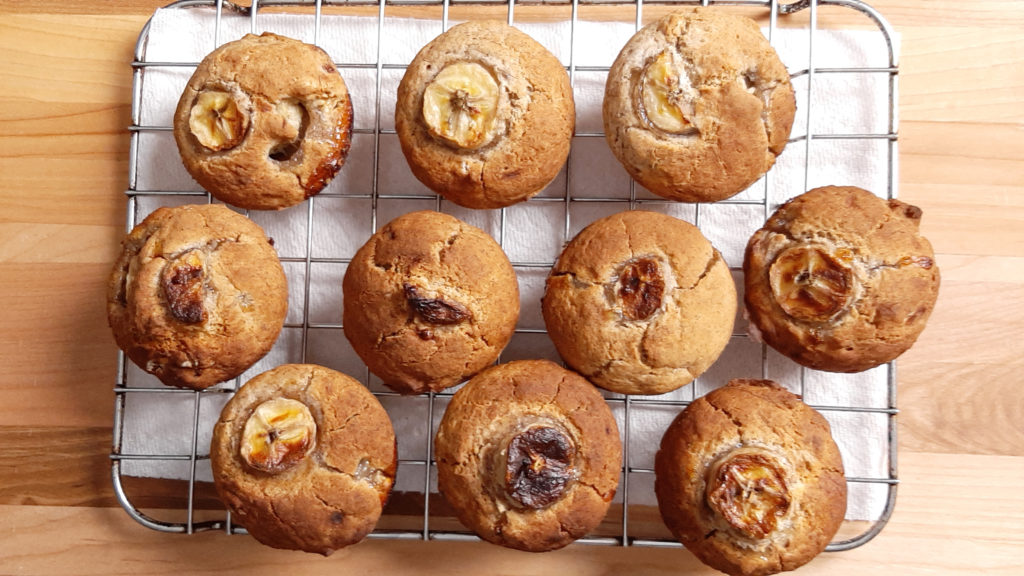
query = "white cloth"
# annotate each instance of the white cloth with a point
(160, 423)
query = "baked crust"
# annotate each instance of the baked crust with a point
(743, 107)
(892, 288)
(277, 164)
(496, 405)
(333, 497)
(230, 319)
(536, 117)
(429, 301)
(759, 417)
(679, 336)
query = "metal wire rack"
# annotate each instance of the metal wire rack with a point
(426, 517)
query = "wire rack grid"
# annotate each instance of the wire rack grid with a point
(623, 533)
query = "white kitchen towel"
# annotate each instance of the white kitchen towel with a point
(342, 218)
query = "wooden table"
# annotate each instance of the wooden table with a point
(64, 108)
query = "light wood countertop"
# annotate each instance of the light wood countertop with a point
(65, 94)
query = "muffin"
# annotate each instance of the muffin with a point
(749, 479)
(429, 301)
(640, 303)
(698, 105)
(265, 122)
(197, 295)
(528, 455)
(839, 279)
(304, 458)
(485, 115)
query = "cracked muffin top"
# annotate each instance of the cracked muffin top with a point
(528, 455)
(839, 279)
(698, 105)
(197, 295)
(264, 122)
(485, 115)
(749, 479)
(640, 303)
(304, 458)
(429, 301)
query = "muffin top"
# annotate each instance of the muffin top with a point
(698, 105)
(839, 279)
(749, 479)
(640, 303)
(429, 301)
(197, 295)
(264, 122)
(485, 115)
(528, 455)
(304, 457)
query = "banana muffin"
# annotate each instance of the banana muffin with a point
(749, 479)
(698, 105)
(197, 295)
(265, 122)
(485, 115)
(429, 301)
(640, 303)
(304, 458)
(528, 455)
(839, 279)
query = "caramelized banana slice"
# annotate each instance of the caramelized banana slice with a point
(216, 120)
(460, 105)
(641, 287)
(538, 466)
(666, 95)
(435, 310)
(184, 287)
(278, 435)
(748, 490)
(811, 284)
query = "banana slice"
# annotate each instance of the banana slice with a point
(460, 105)
(538, 466)
(666, 95)
(294, 119)
(216, 120)
(811, 284)
(748, 490)
(183, 281)
(278, 435)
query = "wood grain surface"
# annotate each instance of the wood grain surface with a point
(64, 109)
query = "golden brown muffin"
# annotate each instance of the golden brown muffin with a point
(265, 122)
(839, 279)
(528, 455)
(304, 458)
(197, 295)
(749, 479)
(698, 105)
(485, 115)
(640, 303)
(429, 301)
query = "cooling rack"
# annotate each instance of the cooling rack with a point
(416, 510)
